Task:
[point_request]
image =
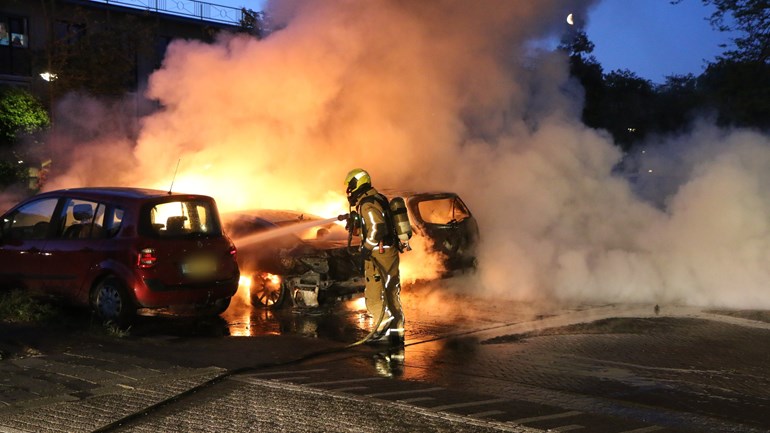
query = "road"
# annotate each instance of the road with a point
(468, 365)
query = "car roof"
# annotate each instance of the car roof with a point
(408, 193)
(122, 192)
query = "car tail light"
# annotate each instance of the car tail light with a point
(233, 251)
(146, 258)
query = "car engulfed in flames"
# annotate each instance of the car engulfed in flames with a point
(298, 259)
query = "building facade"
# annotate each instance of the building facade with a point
(33, 32)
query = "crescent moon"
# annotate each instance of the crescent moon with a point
(570, 20)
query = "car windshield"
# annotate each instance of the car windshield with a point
(182, 218)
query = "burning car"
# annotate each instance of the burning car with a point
(294, 256)
(305, 260)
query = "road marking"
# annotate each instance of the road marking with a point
(567, 428)
(414, 391)
(644, 429)
(469, 404)
(486, 414)
(333, 382)
(290, 378)
(349, 388)
(278, 373)
(415, 399)
(545, 417)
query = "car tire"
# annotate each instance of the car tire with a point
(267, 295)
(221, 305)
(110, 301)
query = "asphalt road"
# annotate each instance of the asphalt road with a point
(469, 365)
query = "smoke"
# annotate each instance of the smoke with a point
(446, 94)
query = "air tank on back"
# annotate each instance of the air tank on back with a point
(401, 220)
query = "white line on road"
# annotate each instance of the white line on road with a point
(278, 373)
(644, 429)
(414, 391)
(486, 413)
(348, 388)
(415, 399)
(334, 382)
(546, 417)
(469, 404)
(567, 428)
(290, 378)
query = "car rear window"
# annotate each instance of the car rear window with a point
(443, 210)
(181, 218)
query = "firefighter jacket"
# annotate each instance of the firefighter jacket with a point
(376, 230)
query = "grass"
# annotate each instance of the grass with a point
(17, 306)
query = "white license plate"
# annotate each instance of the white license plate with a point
(200, 266)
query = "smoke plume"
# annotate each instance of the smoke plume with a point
(448, 95)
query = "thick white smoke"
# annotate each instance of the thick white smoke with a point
(444, 94)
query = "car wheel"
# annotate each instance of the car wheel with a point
(221, 305)
(267, 292)
(111, 302)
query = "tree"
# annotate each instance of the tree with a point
(256, 23)
(586, 69)
(21, 116)
(20, 113)
(739, 92)
(676, 104)
(627, 109)
(737, 84)
(752, 19)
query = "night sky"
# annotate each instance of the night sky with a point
(654, 38)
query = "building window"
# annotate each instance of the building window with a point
(69, 33)
(14, 43)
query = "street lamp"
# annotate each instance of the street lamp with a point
(48, 76)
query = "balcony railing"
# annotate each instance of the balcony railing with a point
(203, 11)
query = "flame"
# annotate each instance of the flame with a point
(244, 289)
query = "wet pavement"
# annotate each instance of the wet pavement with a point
(468, 365)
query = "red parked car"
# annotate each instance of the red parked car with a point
(122, 251)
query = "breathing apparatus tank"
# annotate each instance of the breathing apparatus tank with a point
(401, 220)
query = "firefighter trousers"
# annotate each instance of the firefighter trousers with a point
(384, 286)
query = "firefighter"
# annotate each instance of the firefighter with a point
(380, 249)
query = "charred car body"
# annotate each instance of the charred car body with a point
(310, 260)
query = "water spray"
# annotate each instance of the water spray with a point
(282, 231)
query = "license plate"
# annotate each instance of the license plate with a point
(199, 267)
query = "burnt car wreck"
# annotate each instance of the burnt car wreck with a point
(306, 261)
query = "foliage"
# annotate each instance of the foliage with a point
(17, 306)
(20, 113)
(587, 70)
(734, 90)
(255, 23)
(739, 92)
(752, 19)
(628, 106)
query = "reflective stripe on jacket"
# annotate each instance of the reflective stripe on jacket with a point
(375, 228)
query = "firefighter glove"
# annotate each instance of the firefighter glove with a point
(352, 221)
(366, 253)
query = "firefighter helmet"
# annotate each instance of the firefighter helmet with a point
(356, 179)
(357, 182)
